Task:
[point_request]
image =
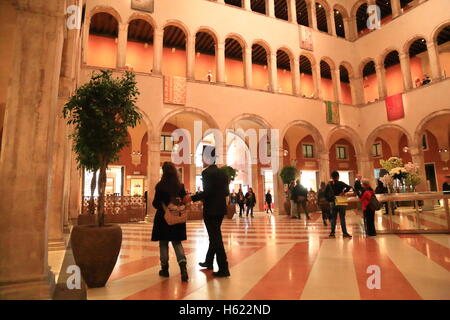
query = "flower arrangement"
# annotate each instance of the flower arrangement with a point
(398, 173)
(391, 163)
(387, 180)
(412, 178)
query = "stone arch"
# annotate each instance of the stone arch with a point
(310, 57)
(420, 127)
(437, 30)
(350, 134)
(250, 116)
(329, 61)
(363, 64)
(178, 24)
(209, 31)
(386, 51)
(263, 44)
(203, 114)
(142, 16)
(238, 38)
(341, 9)
(349, 68)
(286, 50)
(356, 7)
(375, 132)
(105, 9)
(315, 133)
(408, 43)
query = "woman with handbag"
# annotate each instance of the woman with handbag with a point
(170, 198)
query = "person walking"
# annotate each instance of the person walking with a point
(215, 191)
(250, 201)
(358, 186)
(241, 201)
(269, 201)
(323, 203)
(337, 188)
(369, 213)
(300, 197)
(290, 191)
(169, 190)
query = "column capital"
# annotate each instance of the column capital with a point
(123, 27)
(159, 33)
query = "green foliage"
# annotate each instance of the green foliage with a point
(391, 163)
(230, 172)
(288, 174)
(101, 112)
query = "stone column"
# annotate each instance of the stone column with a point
(86, 26)
(270, 5)
(248, 74)
(158, 48)
(436, 71)
(278, 186)
(365, 167)
(295, 71)
(332, 21)
(75, 189)
(26, 161)
(247, 5)
(324, 166)
(273, 72)
(317, 79)
(154, 165)
(396, 8)
(347, 29)
(352, 28)
(357, 90)
(220, 62)
(190, 52)
(312, 14)
(336, 79)
(406, 71)
(381, 80)
(122, 45)
(292, 9)
(418, 158)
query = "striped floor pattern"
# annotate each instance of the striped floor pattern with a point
(275, 257)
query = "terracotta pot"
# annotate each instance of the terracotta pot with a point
(231, 210)
(87, 219)
(95, 250)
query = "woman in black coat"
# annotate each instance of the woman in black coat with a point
(250, 201)
(166, 191)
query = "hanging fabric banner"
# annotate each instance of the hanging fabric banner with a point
(175, 90)
(394, 107)
(306, 41)
(332, 109)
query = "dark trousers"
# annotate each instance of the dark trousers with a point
(216, 248)
(369, 222)
(241, 209)
(269, 207)
(325, 212)
(335, 210)
(250, 210)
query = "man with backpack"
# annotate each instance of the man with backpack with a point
(369, 204)
(334, 189)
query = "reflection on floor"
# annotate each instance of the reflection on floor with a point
(275, 257)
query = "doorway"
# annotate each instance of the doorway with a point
(430, 173)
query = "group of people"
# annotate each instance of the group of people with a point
(213, 196)
(244, 201)
(426, 80)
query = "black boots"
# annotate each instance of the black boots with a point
(184, 274)
(164, 272)
(206, 265)
(222, 273)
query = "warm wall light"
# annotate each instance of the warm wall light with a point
(405, 149)
(146, 45)
(173, 50)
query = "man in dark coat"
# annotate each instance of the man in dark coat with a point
(215, 191)
(269, 201)
(446, 185)
(358, 186)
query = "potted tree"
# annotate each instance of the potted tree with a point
(100, 112)
(288, 175)
(231, 174)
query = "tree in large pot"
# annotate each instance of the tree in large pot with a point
(100, 111)
(288, 175)
(231, 174)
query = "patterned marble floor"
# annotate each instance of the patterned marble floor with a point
(276, 257)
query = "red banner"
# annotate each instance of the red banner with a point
(394, 107)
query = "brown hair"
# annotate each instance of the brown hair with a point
(169, 181)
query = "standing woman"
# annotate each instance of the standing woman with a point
(250, 200)
(168, 190)
(368, 211)
(240, 202)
